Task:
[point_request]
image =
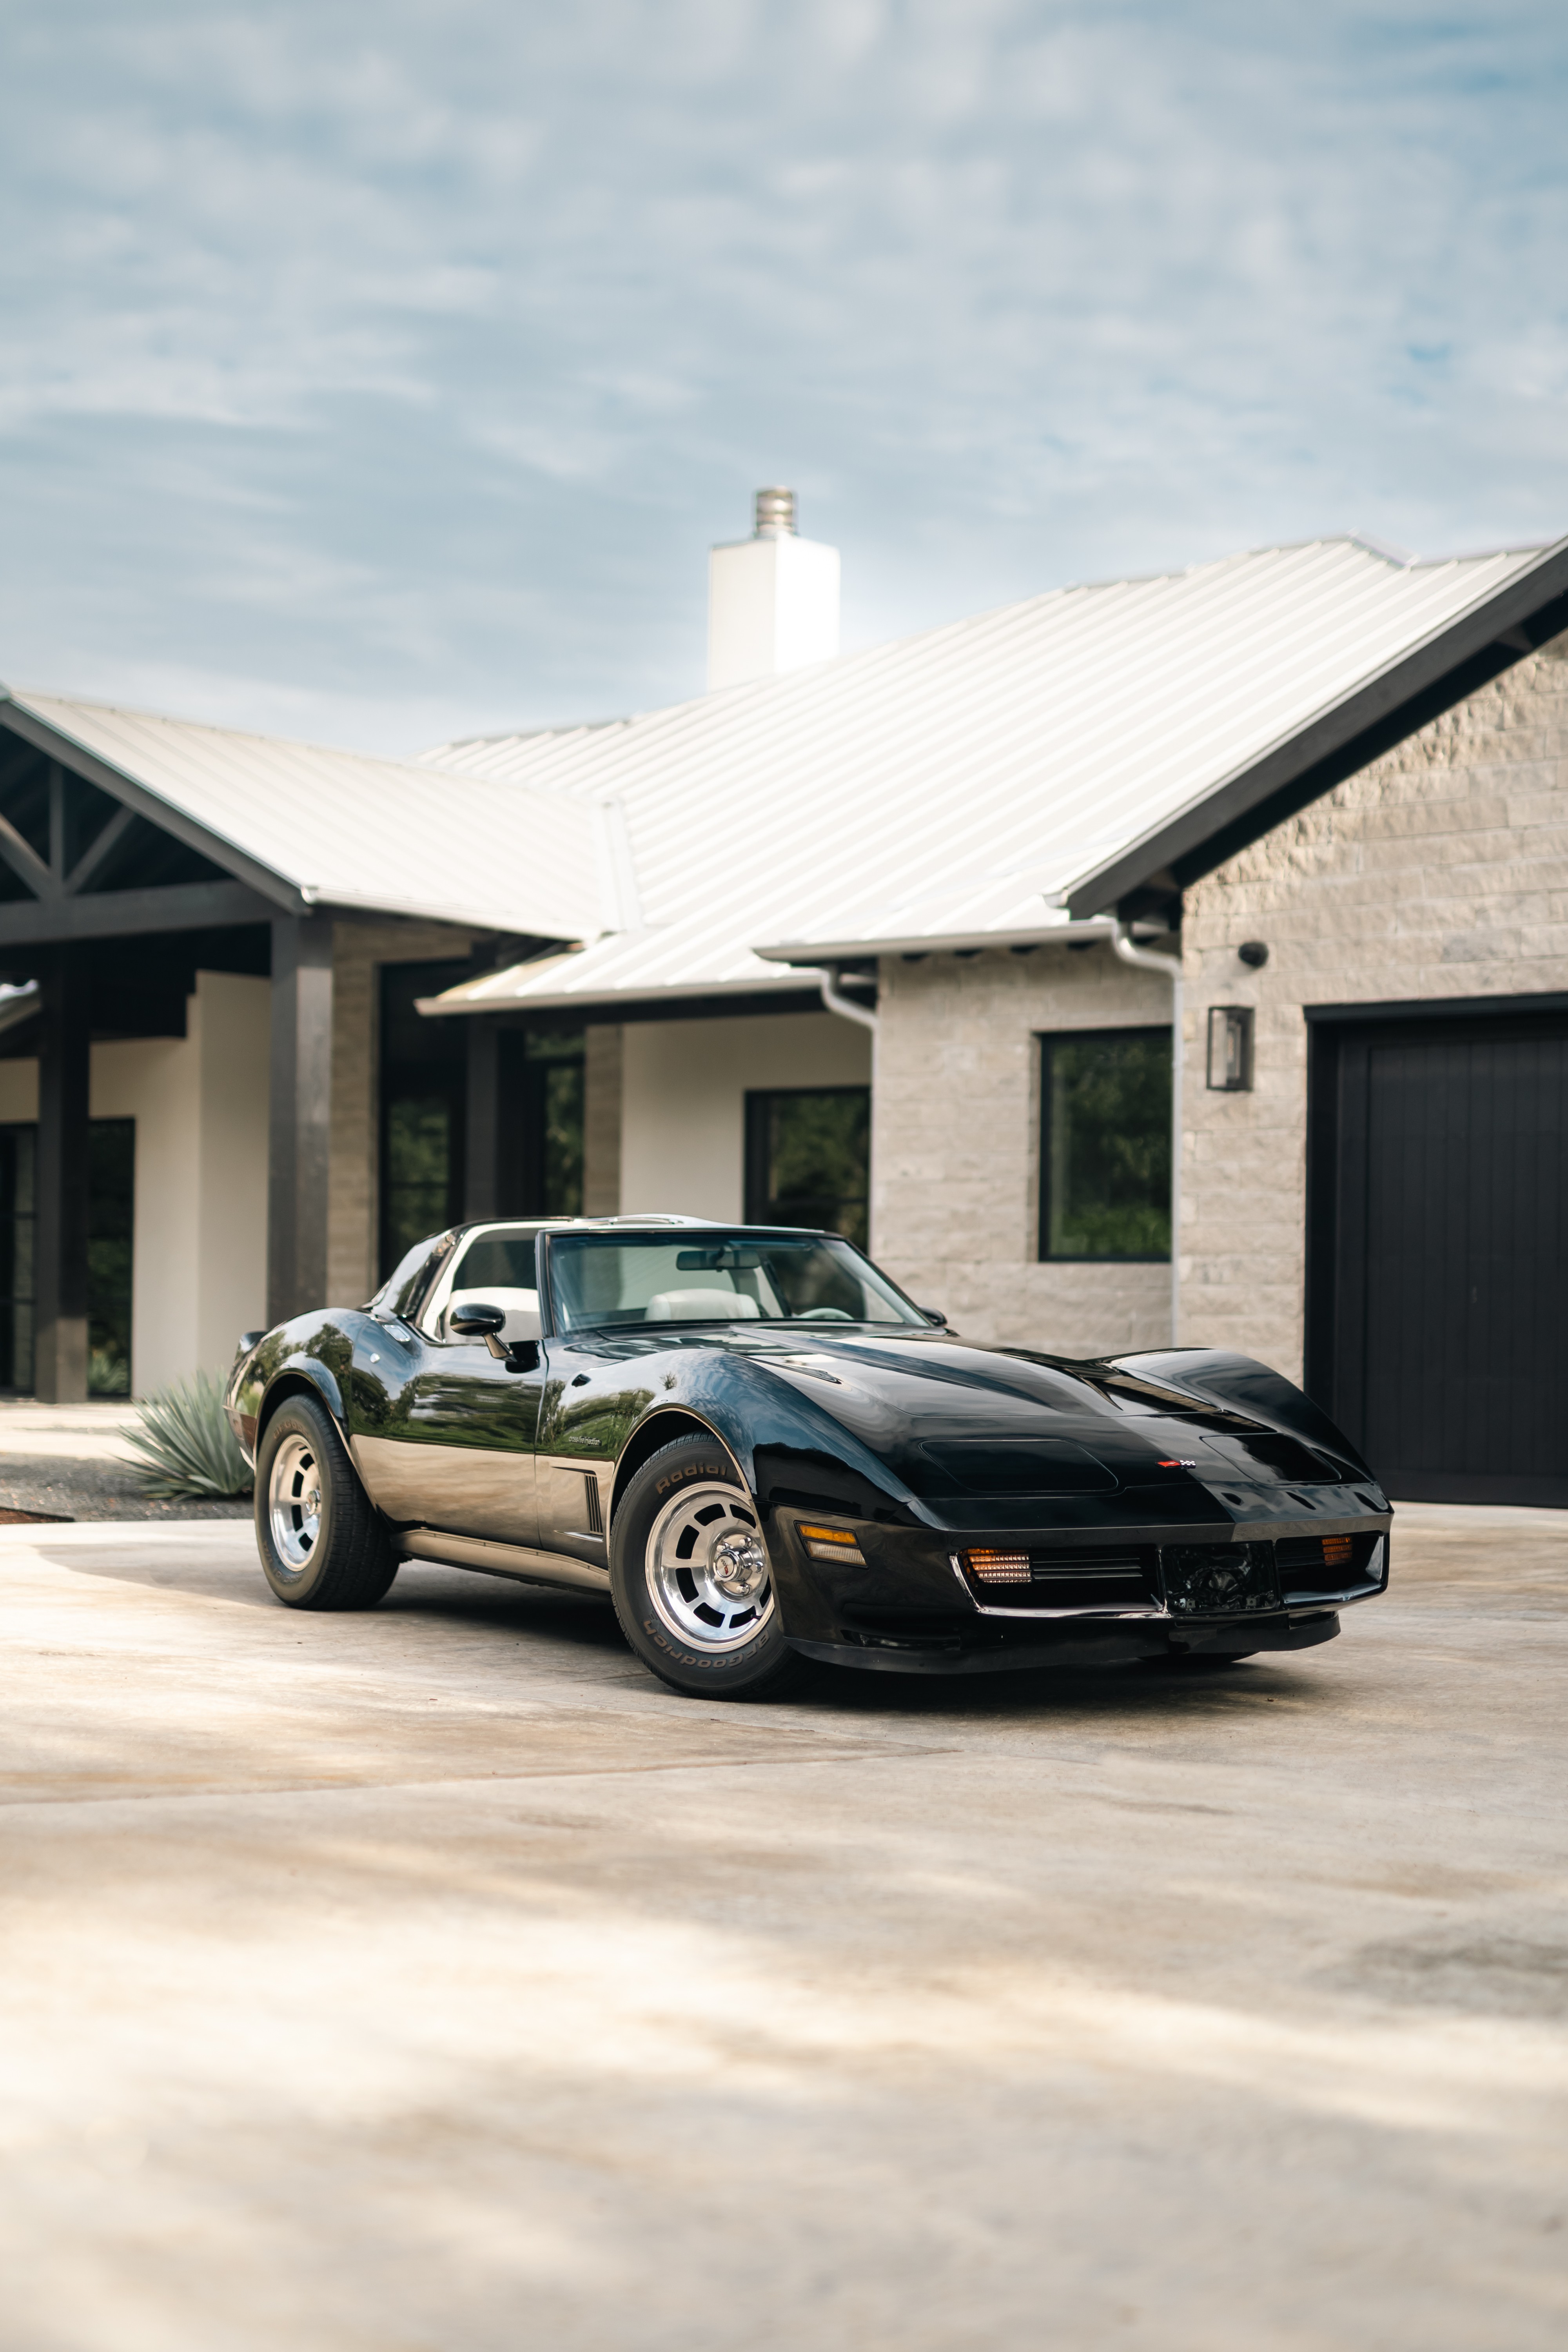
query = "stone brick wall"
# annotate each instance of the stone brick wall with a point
(1439, 871)
(352, 1207)
(955, 1146)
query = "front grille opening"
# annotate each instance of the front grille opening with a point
(1314, 1567)
(1060, 1579)
(1234, 1579)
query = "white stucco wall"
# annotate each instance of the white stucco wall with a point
(200, 1104)
(683, 1089)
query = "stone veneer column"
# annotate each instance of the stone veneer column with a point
(355, 1183)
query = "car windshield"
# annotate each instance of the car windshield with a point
(601, 1281)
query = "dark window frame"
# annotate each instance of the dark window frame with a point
(756, 1191)
(435, 1069)
(1045, 1040)
(21, 1302)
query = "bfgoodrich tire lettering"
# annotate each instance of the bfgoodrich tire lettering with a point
(691, 1579)
(322, 1543)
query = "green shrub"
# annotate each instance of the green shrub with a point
(192, 1453)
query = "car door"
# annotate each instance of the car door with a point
(445, 1432)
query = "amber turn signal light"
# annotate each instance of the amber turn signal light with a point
(1336, 1551)
(998, 1567)
(833, 1543)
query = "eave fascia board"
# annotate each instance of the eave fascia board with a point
(809, 955)
(588, 999)
(56, 745)
(1400, 681)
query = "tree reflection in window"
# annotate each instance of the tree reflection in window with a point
(808, 1158)
(1105, 1158)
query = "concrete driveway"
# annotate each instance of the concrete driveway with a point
(430, 1979)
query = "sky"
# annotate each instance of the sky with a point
(381, 373)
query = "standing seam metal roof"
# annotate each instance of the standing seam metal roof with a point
(956, 783)
(344, 829)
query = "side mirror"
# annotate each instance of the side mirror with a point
(935, 1315)
(475, 1320)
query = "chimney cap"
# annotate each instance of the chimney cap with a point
(774, 514)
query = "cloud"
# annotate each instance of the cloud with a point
(408, 359)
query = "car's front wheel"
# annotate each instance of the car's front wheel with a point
(322, 1543)
(692, 1582)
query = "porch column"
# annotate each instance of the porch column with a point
(59, 1276)
(300, 1120)
(481, 1142)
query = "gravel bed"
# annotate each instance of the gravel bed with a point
(56, 1488)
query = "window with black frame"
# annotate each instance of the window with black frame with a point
(1105, 1145)
(808, 1152)
(111, 1233)
(542, 1104)
(424, 1100)
(112, 1229)
(424, 1114)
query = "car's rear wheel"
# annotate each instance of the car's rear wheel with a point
(692, 1582)
(322, 1543)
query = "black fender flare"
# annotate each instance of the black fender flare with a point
(661, 1427)
(297, 1375)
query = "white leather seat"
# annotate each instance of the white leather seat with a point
(691, 1305)
(521, 1308)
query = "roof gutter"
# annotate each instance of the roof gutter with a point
(603, 1001)
(816, 953)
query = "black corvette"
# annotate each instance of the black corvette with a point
(752, 1442)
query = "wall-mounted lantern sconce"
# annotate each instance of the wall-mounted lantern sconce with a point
(1230, 1048)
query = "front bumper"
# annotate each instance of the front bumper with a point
(923, 1601)
(1075, 1643)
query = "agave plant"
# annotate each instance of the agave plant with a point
(191, 1452)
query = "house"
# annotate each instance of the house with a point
(897, 941)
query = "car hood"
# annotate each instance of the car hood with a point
(951, 1416)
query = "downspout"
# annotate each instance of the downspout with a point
(1171, 967)
(846, 1007)
(836, 1002)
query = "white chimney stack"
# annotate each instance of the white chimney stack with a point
(773, 599)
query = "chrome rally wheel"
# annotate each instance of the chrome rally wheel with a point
(692, 1582)
(708, 1573)
(294, 1500)
(322, 1543)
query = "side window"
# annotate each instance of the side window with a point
(1105, 1145)
(808, 1152)
(499, 1268)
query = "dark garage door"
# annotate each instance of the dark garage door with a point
(1437, 1279)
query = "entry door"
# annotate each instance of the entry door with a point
(1440, 1245)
